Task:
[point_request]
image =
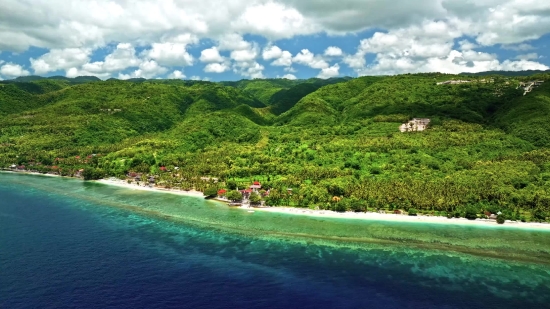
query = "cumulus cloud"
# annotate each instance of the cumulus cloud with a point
(245, 55)
(280, 57)
(333, 51)
(171, 54)
(60, 59)
(177, 74)
(196, 77)
(305, 57)
(249, 69)
(410, 34)
(90, 24)
(216, 68)
(329, 72)
(467, 45)
(289, 76)
(272, 52)
(429, 47)
(12, 70)
(274, 20)
(519, 47)
(124, 56)
(147, 69)
(285, 60)
(530, 56)
(211, 55)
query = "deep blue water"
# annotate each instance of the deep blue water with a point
(57, 251)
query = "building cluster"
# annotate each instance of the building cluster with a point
(417, 124)
(111, 111)
(529, 86)
(453, 82)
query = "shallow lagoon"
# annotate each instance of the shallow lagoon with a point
(146, 246)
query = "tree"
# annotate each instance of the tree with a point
(413, 212)
(255, 198)
(234, 195)
(471, 213)
(210, 192)
(231, 184)
(92, 173)
(501, 219)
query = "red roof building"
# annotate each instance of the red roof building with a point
(221, 192)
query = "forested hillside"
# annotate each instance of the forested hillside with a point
(336, 143)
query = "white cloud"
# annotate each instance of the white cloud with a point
(216, 68)
(196, 77)
(249, 69)
(124, 56)
(147, 69)
(329, 72)
(467, 45)
(289, 76)
(245, 55)
(519, 47)
(285, 60)
(233, 41)
(272, 52)
(170, 54)
(290, 70)
(91, 24)
(282, 57)
(177, 74)
(411, 34)
(305, 57)
(60, 59)
(75, 72)
(521, 65)
(530, 56)
(13, 70)
(427, 48)
(211, 55)
(333, 51)
(274, 20)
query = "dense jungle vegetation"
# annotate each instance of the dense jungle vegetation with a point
(336, 143)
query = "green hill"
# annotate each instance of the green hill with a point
(75, 80)
(528, 117)
(486, 147)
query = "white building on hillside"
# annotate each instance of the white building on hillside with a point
(417, 124)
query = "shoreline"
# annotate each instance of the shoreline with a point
(373, 216)
(132, 186)
(366, 216)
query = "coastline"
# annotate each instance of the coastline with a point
(373, 216)
(123, 184)
(29, 173)
(367, 216)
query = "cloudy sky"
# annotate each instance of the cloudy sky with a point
(235, 39)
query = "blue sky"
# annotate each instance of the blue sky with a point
(232, 40)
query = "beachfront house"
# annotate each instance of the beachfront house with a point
(246, 193)
(256, 186)
(221, 193)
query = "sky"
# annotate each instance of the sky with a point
(244, 39)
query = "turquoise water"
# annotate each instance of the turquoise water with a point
(67, 243)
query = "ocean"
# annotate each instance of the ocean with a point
(65, 243)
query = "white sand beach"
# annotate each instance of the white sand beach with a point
(373, 216)
(402, 218)
(134, 186)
